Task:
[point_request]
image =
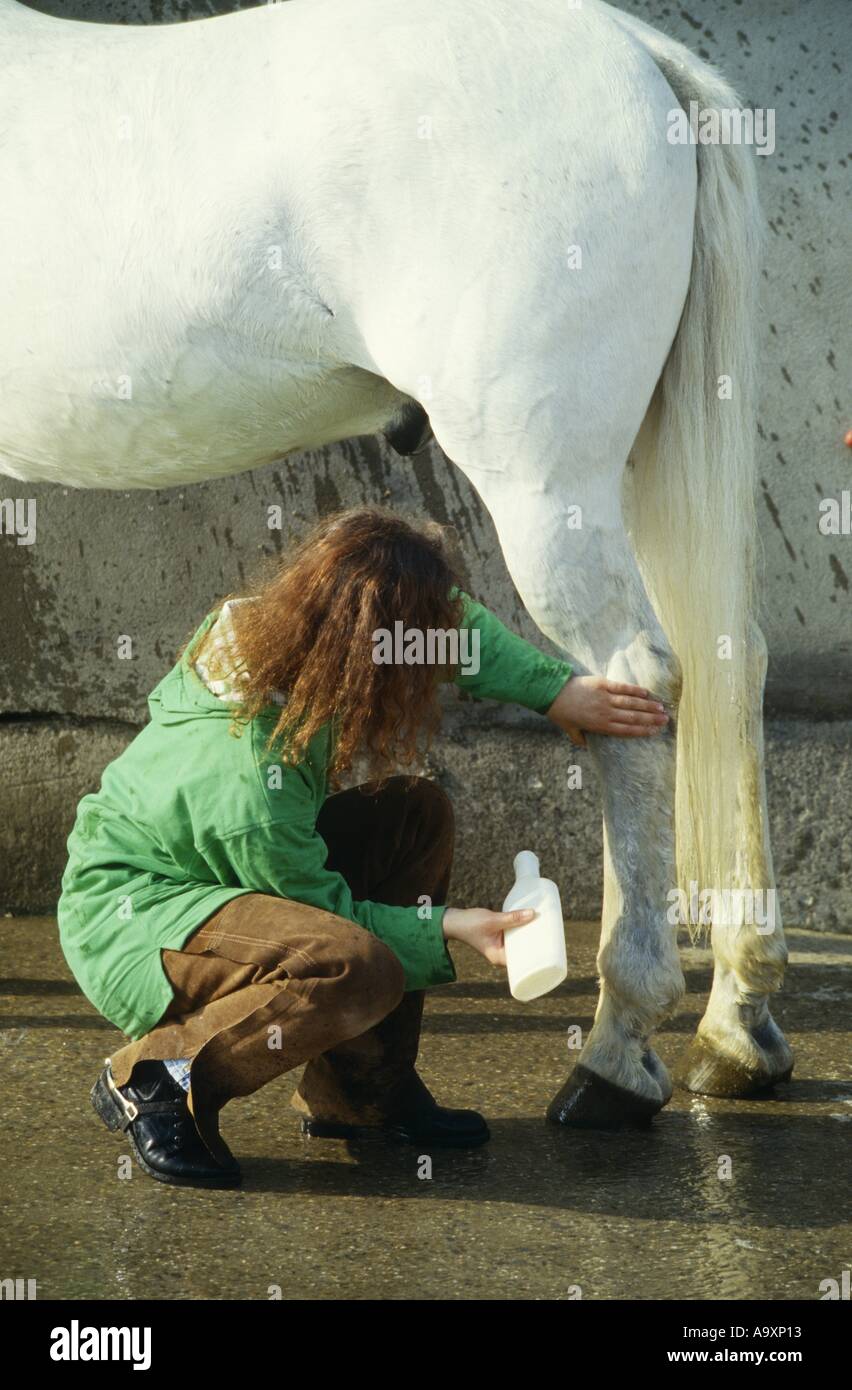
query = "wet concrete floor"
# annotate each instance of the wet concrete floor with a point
(538, 1213)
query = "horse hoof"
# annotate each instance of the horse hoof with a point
(659, 1074)
(587, 1101)
(707, 1072)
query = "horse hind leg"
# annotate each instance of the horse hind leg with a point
(619, 1079)
(583, 589)
(739, 1050)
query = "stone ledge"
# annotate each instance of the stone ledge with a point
(505, 772)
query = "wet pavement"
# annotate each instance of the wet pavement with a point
(538, 1213)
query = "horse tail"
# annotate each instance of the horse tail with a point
(691, 507)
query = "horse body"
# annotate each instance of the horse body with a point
(160, 321)
(274, 229)
(193, 226)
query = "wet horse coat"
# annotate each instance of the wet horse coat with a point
(231, 239)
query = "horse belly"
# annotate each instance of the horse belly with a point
(140, 344)
(205, 417)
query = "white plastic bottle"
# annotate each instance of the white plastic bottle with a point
(535, 952)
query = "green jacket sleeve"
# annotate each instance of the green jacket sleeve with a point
(510, 669)
(287, 859)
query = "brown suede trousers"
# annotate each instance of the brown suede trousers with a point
(267, 983)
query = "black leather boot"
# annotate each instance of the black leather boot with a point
(416, 1118)
(152, 1111)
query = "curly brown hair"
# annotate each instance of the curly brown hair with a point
(310, 636)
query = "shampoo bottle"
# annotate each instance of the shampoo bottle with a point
(535, 952)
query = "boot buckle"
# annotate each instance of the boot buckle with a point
(128, 1108)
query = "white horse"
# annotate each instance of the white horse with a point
(226, 240)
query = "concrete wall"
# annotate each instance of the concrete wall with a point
(148, 565)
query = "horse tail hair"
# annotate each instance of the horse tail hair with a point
(691, 509)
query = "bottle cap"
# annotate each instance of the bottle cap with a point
(526, 864)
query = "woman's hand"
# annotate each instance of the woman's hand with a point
(483, 930)
(599, 706)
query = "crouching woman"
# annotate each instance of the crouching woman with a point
(234, 914)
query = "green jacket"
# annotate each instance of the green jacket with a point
(185, 820)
